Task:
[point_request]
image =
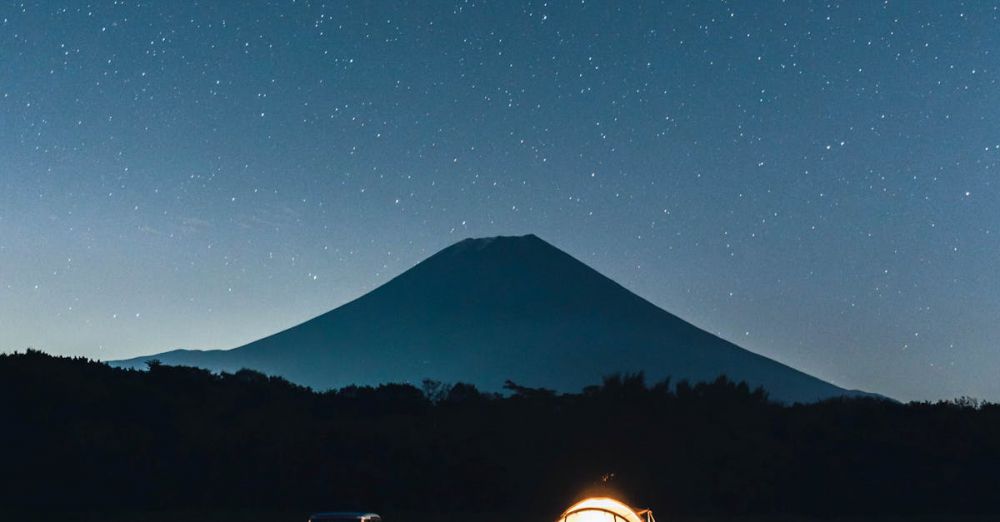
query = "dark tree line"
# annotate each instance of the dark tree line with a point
(77, 434)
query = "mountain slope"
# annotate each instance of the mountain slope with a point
(487, 310)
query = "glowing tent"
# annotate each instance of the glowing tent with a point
(602, 509)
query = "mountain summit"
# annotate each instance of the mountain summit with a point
(491, 309)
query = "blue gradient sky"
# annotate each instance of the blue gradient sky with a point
(815, 181)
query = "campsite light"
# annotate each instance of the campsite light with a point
(604, 509)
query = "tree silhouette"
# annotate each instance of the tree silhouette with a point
(79, 435)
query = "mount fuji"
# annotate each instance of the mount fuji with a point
(483, 311)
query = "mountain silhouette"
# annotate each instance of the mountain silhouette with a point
(486, 310)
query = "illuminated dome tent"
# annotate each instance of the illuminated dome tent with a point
(602, 509)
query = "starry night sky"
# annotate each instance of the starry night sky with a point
(811, 180)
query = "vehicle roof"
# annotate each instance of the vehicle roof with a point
(344, 514)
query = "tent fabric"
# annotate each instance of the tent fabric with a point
(600, 509)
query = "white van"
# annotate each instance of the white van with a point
(344, 516)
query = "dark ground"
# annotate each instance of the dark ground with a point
(301, 516)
